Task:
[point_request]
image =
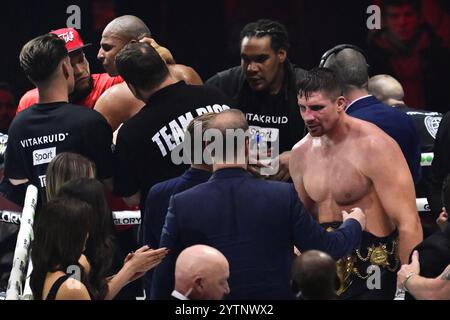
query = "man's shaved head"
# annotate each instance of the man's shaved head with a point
(386, 89)
(314, 275)
(116, 35)
(202, 273)
(351, 66)
(128, 27)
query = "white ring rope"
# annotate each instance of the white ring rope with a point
(21, 253)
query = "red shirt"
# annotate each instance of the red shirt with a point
(101, 82)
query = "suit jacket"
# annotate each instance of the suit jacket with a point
(255, 224)
(396, 124)
(156, 206)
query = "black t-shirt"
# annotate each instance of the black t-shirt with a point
(427, 123)
(269, 119)
(272, 118)
(145, 142)
(42, 131)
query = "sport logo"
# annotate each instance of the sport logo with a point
(42, 156)
(432, 125)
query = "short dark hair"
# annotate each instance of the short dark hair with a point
(314, 278)
(415, 4)
(40, 57)
(320, 79)
(140, 64)
(264, 27)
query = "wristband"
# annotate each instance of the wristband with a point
(409, 276)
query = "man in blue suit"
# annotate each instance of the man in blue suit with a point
(350, 63)
(157, 201)
(254, 223)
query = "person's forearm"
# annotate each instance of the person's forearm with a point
(117, 282)
(410, 235)
(428, 289)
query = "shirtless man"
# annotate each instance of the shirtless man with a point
(344, 163)
(118, 103)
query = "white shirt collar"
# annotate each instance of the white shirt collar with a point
(360, 98)
(178, 295)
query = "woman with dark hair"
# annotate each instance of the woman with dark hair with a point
(61, 231)
(64, 167)
(100, 247)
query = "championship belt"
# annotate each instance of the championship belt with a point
(377, 255)
(344, 270)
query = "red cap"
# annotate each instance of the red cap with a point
(71, 37)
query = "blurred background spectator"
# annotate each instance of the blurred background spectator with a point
(410, 49)
(8, 107)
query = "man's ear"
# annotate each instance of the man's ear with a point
(341, 103)
(198, 284)
(282, 55)
(247, 148)
(66, 69)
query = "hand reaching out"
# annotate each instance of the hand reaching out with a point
(163, 52)
(357, 214)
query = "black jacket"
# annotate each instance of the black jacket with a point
(440, 167)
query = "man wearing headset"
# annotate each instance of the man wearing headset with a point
(350, 63)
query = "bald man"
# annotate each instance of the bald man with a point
(201, 273)
(314, 276)
(388, 90)
(118, 103)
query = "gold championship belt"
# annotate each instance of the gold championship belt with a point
(379, 256)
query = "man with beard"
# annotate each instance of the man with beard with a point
(343, 163)
(263, 87)
(118, 104)
(88, 87)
